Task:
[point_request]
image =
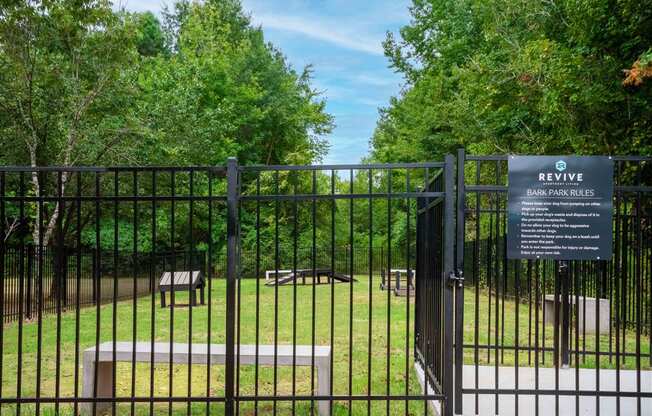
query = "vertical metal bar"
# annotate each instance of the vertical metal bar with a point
(277, 266)
(238, 312)
(21, 271)
(231, 270)
(98, 283)
(564, 276)
(423, 229)
(459, 290)
(134, 304)
(639, 288)
(447, 299)
(314, 292)
(152, 335)
(496, 260)
(369, 317)
(295, 231)
(210, 276)
(173, 269)
(476, 281)
(350, 390)
(60, 275)
(78, 243)
(332, 284)
(257, 335)
(517, 302)
(389, 286)
(191, 290)
(603, 270)
(409, 276)
(621, 273)
(114, 317)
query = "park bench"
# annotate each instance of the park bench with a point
(585, 324)
(398, 280)
(182, 282)
(200, 354)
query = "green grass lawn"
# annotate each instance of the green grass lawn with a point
(526, 336)
(358, 359)
(356, 363)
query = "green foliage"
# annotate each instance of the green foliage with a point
(66, 84)
(504, 76)
(83, 84)
(226, 92)
(150, 38)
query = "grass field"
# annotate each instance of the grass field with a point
(356, 362)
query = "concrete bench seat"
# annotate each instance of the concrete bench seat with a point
(605, 313)
(200, 354)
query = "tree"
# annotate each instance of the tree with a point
(518, 77)
(64, 90)
(225, 92)
(151, 39)
(82, 84)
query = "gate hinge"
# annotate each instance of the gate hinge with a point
(456, 278)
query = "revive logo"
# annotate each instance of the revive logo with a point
(560, 175)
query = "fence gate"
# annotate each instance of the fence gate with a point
(436, 281)
(329, 289)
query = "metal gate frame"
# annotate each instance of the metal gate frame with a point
(437, 280)
(437, 194)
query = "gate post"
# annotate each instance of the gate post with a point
(231, 258)
(447, 298)
(459, 289)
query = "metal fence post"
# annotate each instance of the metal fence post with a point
(447, 298)
(459, 290)
(231, 258)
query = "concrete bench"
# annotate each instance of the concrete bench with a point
(605, 313)
(200, 354)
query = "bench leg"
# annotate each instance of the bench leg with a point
(324, 386)
(104, 384)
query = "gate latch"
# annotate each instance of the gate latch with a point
(456, 278)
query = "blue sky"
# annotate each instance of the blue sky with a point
(342, 40)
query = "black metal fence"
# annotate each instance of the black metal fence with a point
(80, 256)
(82, 251)
(541, 339)
(21, 274)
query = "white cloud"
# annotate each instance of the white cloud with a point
(321, 30)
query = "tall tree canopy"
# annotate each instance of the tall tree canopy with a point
(520, 76)
(225, 91)
(84, 84)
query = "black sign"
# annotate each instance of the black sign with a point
(560, 207)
